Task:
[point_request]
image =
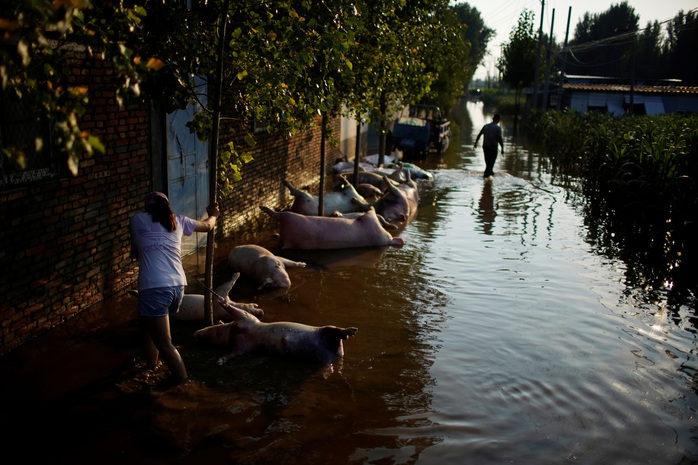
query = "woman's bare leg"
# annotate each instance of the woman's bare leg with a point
(159, 331)
(151, 352)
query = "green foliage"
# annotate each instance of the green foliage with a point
(518, 59)
(645, 163)
(640, 177)
(37, 36)
(640, 163)
(611, 59)
(680, 43)
(286, 61)
(475, 33)
(388, 59)
(231, 162)
(449, 59)
(501, 101)
(613, 43)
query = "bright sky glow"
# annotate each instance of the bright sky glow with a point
(502, 16)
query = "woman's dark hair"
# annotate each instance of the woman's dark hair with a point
(161, 213)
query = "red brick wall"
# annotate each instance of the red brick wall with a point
(276, 158)
(66, 242)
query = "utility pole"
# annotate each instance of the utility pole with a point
(547, 63)
(564, 62)
(632, 73)
(536, 77)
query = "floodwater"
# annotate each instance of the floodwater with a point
(496, 334)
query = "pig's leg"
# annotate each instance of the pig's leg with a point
(238, 314)
(290, 263)
(242, 345)
(251, 308)
(295, 192)
(387, 226)
(229, 285)
(233, 354)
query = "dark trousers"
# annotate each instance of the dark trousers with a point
(490, 158)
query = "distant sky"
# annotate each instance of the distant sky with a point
(503, 15)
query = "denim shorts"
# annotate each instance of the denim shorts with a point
(160, 301)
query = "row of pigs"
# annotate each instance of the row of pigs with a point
(356, 217)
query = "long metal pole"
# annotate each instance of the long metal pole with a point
(632, 74)
(547, 63)
(536, 77)
(564, 62)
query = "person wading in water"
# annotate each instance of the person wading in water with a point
(156, 242)
(492, 133)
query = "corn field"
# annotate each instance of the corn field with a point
(639, 175)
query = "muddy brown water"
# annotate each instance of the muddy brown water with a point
(497, 334)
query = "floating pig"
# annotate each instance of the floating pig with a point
(369, 192)
(399, 203)
(415, 171)
(386, 225)
(247, 334)
(394, 205)
(342, 166)
(261, 265)
(192, 306)
(343, 201)
(316, 232)
(364, 177)
(411, 191)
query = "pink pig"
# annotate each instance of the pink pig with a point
(247, 334)
(321, 232)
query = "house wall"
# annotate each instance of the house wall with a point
(581, 101)
(680, 103)
(66, 242)
(655, 103)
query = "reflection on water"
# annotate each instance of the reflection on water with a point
(497, 334)
(486, 211)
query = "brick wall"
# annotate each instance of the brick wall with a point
(66, 242)
(276, 158)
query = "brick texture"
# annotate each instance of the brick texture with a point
(66, 242)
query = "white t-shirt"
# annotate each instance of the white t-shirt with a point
(159, 252)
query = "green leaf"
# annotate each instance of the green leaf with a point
(96, 144)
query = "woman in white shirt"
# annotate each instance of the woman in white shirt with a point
(156, 242)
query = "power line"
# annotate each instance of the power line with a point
(629, 36)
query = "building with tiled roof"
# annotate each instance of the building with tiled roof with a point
(614, 96)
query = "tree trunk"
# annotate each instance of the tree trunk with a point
(357, 154)
(213, 161)
(321, 195)
(382, 135)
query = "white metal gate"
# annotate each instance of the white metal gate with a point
(187, 171)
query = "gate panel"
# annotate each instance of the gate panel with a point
(187, 172)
